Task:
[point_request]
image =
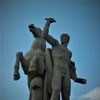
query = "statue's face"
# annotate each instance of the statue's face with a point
(64, 38)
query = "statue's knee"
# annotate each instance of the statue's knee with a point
(36, 87)
(37, 84)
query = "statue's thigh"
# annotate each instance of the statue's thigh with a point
(56, 79)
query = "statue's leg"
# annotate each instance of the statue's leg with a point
(56, 85)
(65, 87)
(47, 95)
(16, 67)
(19, 57)
(36, 89)
(24, 64)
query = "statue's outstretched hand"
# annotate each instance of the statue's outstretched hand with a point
(51, 19)
(81, 80)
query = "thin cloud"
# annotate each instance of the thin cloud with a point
(92, 95)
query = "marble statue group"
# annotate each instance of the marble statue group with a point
(49, 70)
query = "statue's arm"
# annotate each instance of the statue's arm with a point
(45, 32)
(72, 69)
(74, 75)
(51, 40)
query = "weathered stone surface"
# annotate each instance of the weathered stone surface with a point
(48, 70)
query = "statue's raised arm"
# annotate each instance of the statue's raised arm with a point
(45, 32)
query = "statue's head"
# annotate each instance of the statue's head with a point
(37, 32)
(64, 38)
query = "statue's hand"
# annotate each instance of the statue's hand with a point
(50, 19)
(16, 76)
(81, 80)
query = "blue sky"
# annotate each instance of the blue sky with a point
(79, 18)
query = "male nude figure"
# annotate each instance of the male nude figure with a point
(62, 60)
(29, 63)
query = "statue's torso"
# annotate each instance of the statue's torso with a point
(61, 57)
